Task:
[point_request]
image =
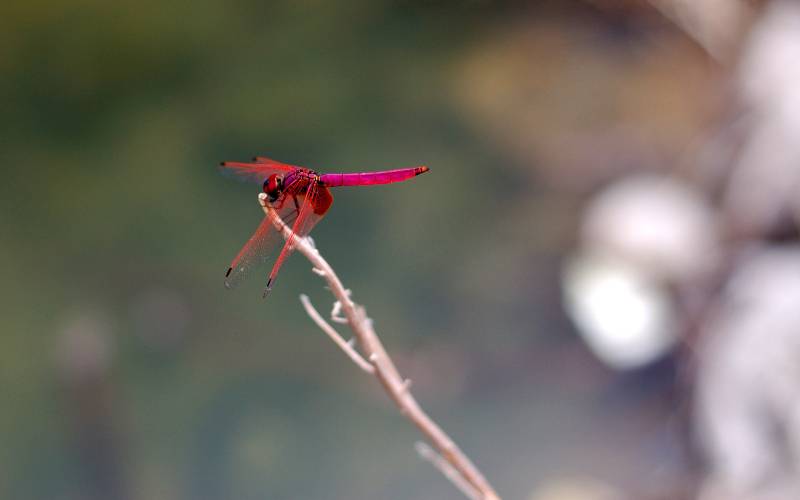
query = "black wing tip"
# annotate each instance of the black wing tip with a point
(267, 289)
(228, 272)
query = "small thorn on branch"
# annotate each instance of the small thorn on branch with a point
(336, 313)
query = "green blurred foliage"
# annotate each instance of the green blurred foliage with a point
(115, 115)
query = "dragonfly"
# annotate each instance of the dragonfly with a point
(301, 197)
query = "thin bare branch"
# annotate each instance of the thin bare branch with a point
(385, 371)
(344, 345)
(428, 454)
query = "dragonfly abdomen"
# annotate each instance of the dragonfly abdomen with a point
(371, 178)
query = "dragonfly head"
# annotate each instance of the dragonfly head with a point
(273, 186)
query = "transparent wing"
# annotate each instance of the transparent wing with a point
(259, 247)
(300, 211)
(257, 171)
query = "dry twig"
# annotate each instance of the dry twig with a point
(427, 453)
(456, 466)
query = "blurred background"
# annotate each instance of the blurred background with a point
(596, 289)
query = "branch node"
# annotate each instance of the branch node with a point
(336, 313)
(337, 339)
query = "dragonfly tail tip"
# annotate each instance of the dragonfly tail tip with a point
(228, 272)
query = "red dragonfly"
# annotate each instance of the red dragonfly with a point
(301, 197)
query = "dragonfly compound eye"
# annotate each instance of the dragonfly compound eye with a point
(273, 186)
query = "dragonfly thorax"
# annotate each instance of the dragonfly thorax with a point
(273, 186)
